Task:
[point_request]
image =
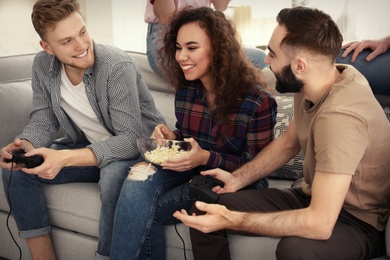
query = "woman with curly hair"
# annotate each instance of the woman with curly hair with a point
(157, 15)
(221, 109)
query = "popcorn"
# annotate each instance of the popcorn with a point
(163, 153)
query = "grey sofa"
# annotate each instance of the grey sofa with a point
(74, 208)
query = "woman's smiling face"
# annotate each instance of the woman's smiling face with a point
(193, 52)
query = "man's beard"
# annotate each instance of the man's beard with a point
(286, 81)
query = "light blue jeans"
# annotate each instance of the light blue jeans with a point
(154, 42)
(144, 207)
(29, 206)
(256, 56)
(377, 71)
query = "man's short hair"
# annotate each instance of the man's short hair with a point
(48, 12)
(310, 29)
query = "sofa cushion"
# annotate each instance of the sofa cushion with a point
(293, 170)
(68, 211)
(372, 70)
(16, 101)
(384, 100)
(165, 103)
(3, 198)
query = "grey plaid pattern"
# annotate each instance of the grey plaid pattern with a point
(117, 93)
(293, 170)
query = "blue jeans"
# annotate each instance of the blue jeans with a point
(137, 209)
(144, 207)
(377, 71)
(256, 56)
(154, 42)
(29, 206)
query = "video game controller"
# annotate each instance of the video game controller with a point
(29, 162)
(200, 188)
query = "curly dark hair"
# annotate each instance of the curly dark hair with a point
(47, 12)
(233, 74)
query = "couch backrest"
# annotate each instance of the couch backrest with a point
(16, 68)
(15, 95)
(162, 95)
(153, 81)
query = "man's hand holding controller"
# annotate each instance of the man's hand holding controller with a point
(19, 157)
(15, 153)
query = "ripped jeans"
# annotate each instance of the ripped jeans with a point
(138, 227)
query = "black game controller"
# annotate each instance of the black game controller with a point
(29, 162)
(200, 188)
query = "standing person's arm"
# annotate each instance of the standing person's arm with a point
(163, 9)
(377, 46)
(220, 5)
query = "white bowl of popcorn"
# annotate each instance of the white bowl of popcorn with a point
(157, 151)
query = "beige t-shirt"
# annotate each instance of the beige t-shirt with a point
(347, 132)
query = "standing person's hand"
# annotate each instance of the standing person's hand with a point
(377, 46)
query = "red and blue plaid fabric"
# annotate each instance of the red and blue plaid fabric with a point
(248, 129)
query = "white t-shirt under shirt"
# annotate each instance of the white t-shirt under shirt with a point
(75, 102)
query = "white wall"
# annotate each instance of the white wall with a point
(358, 19)
(128, 24)
(115, 22)
(121, 22)
(16, 30)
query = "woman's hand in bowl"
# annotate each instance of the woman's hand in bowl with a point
(158, 151)
(161, 131)
(195, 157)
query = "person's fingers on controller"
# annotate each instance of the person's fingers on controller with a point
(4, 154)
(218, 189)
(200, 205)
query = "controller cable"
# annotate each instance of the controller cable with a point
(177, 208)
(10, 210)
(177, 231)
